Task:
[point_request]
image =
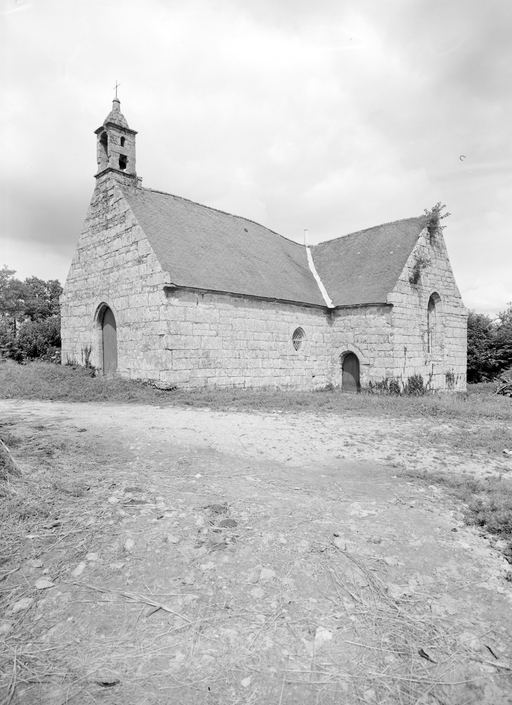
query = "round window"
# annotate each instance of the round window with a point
(298, 338)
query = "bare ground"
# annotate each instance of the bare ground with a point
(229, 558)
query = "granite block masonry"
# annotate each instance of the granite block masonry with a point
(164, 289)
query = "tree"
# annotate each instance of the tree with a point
(41, 298)
(503, 337)
(483, 359)
(29, 316)
(12, 297)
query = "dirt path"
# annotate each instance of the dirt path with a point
(254, 558)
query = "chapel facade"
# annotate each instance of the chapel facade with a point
(164, 289)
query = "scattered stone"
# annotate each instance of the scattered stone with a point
(340, 543)
(116, 566)
(246, 682)
(170, 538)
(322, 636)
(43, 584)
(227, 523)
(133, 489)
(282, 539)
(257, 593)
(91, 557)
(470, 641)
(445, 605)
(369, 695)
(217, 508)
(113, 499)
(5, 628)
(36, 563)
(129, 545)
(189, 579)
(392, 560)
(105, 679)
(79, 570)
(22, 604)
(207, 566)
(267, 574)
(397, 591)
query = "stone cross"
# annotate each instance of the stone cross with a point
(116, 87)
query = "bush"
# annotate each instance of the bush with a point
(39, 339)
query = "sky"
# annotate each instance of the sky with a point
(331, 116)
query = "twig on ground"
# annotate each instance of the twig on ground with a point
(7, 463)
(135, 598)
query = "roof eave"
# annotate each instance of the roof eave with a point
(272, 299)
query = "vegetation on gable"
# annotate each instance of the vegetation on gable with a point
(420, 263)
(434, 216)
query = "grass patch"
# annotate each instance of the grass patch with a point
(46, 381)
(487, 502)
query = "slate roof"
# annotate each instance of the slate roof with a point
(205, 248)
(363, 267)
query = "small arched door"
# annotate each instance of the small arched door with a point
(109, 338)
(350, 381)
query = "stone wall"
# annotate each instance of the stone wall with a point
(365, 331)
(444, 366)
(113, 265)
(226, 340)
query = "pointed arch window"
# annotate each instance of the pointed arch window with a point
(434, 326)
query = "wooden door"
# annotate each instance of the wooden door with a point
(109, 334)
(350, 373)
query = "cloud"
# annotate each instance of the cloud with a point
(332, 116)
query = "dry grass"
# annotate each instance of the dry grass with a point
(54, 512)
(38, 380)
(487, 502)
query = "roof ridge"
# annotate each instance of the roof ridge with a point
(218, 210)
(365, 230)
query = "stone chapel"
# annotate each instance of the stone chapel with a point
(164, 289)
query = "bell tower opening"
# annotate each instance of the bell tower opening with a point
(103, 151)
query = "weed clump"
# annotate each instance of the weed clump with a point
(415, 386)
(389, 385)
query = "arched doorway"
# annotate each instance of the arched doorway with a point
(350, 381)
(109, 341)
